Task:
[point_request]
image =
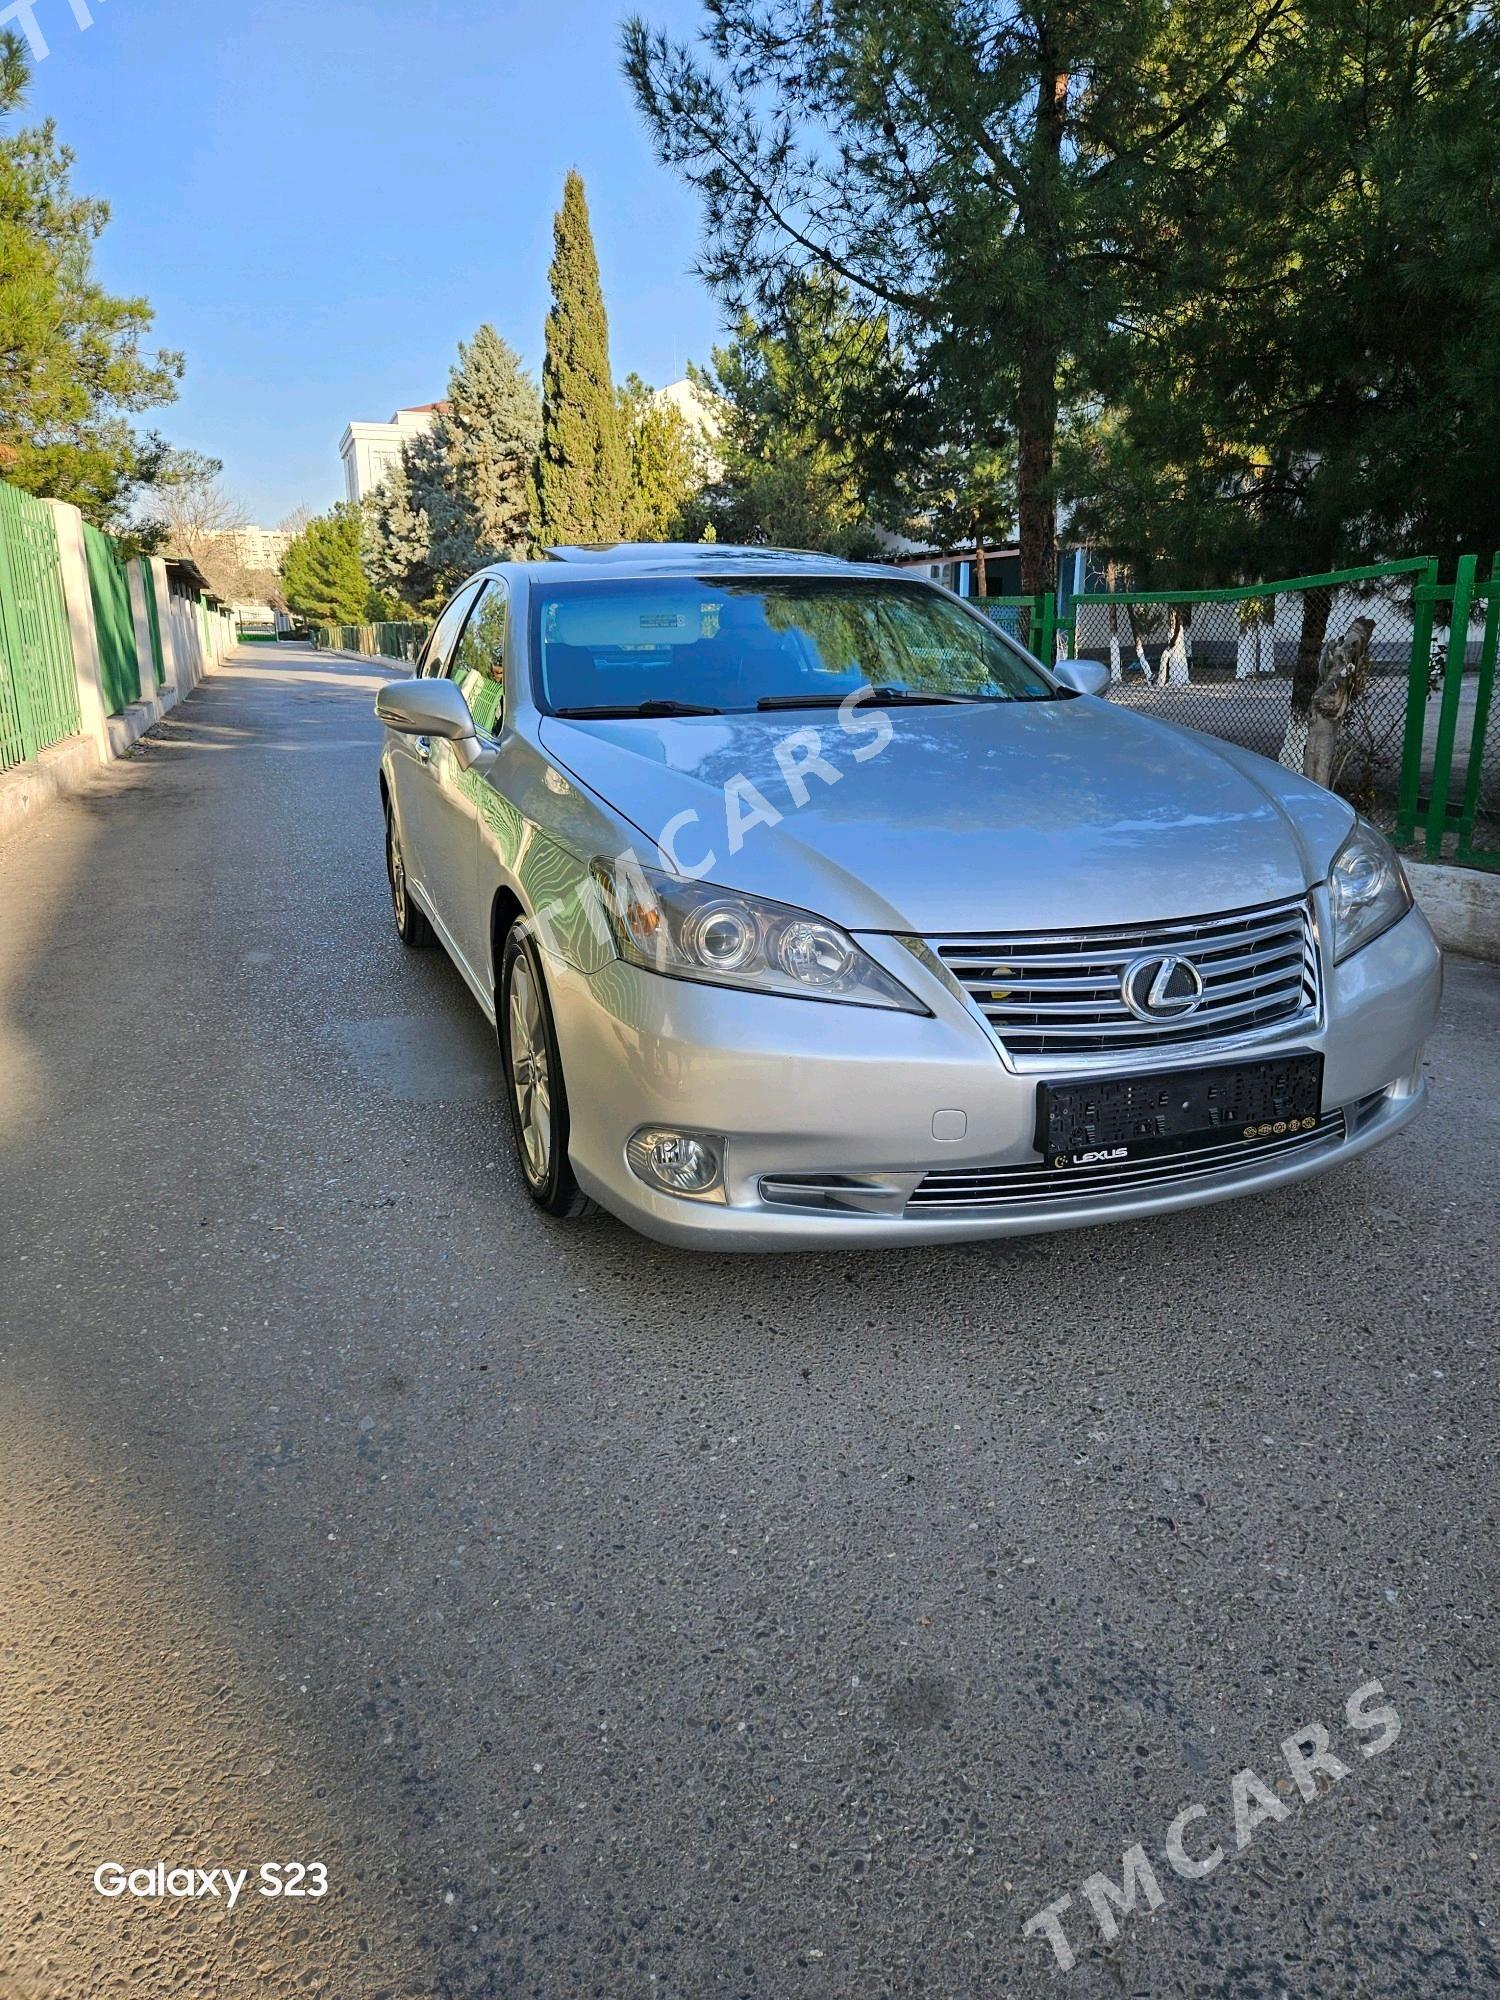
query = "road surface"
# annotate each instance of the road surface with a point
(615, 1622)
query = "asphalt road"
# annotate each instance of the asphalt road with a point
(616, 1622)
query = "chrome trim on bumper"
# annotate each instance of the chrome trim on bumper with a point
(768, 1226)
(1032, 1183)
(960, 1187)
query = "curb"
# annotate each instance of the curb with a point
(365, 659)
(69, 768)
(62, 770)
(1461, 904)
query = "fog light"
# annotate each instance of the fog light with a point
(677, 1162)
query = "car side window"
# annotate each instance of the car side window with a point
(478, 667)
(445, 633)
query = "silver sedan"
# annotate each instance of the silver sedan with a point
(811, 909)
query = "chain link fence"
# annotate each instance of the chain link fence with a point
(1264, 666)
(1019, 618)
(1479, 839)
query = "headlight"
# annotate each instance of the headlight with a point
(691, 930)
(1368, 889)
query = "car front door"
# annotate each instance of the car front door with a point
(477, 670)
(417, 774)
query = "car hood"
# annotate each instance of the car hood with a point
(994, 816)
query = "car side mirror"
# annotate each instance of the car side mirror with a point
(426, 708)
(1082, 676)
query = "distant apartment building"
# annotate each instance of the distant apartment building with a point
(370, 450)
(260, 548)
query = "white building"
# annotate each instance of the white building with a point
(370, 450)
(260, 548)
(704, 417)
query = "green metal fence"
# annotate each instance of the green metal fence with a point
(38, 685)
(379, 642)
(1451, 787)
(153, 621)
(1415, 750)
(1031, 621)
(109, 587)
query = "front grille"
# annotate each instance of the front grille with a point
(1039, 1186)
(1058, 993)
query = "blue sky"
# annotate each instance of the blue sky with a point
(322, 197)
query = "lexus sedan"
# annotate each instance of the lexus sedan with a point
(812, 909)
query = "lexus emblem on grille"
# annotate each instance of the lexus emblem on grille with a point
(1158, 988)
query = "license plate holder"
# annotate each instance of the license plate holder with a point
(1099, 1121)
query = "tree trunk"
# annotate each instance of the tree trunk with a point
(1316, 605)
(1140, 651)
(1178, 650)
(1036, 503)
(981, 581)
(1039, 348)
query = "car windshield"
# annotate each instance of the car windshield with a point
(704, 645)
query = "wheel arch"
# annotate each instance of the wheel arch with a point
(505, 908)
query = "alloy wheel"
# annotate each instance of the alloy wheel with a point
(529, 1075)
(397, 870)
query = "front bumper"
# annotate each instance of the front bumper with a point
(807, 1093)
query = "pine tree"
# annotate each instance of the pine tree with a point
(491, 432)
(463, 494)
(322, 572)
(422, 536)
(973, 171)
(78, 361)
(1323, 390)
(397, 540)
(582, 476)
(815, 451)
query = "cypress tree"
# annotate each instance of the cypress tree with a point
(582, 474)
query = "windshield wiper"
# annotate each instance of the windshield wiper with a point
(626, 709)
(887, 696)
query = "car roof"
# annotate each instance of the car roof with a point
(618, 559)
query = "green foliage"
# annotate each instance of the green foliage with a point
(817, 444)
(666, 466)
(1320, 387)
(582, 473)
(975, 170)
(323, 575)
(971, 494)
(400, 531)
(491, 432)
(1225, 275)
(462, 495)
(76, 367)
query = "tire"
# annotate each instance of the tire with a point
(412, 927)
(534, 1085)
